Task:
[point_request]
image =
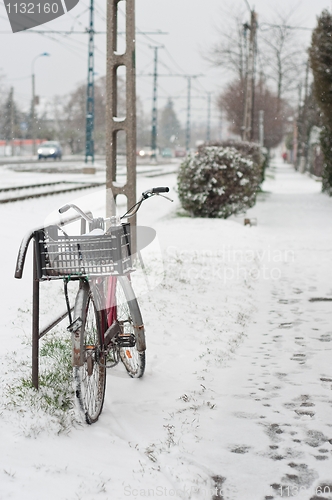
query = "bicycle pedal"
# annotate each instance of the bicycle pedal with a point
(126, 340)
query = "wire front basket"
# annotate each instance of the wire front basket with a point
(59, 255)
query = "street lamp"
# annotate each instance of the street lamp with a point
(33, 101)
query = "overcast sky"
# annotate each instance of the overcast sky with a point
(192, 29)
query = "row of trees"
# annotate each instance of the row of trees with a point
(280, 65)
(63, 119)
(276, 111)
(321, 63)
(291, 104)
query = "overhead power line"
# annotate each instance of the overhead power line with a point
(83, 32)
(284, 26)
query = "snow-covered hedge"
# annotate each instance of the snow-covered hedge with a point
(218, 182)
(248, 149)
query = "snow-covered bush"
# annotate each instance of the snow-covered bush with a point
(248, 149)
(218, 182)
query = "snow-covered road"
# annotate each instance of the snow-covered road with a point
(236, 402)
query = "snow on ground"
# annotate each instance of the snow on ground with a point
(236, 401)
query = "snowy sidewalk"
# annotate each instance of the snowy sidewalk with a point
(276, 417)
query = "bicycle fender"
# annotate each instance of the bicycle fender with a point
(140, 338)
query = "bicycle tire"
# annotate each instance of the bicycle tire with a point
(90, 378)
(129, 316)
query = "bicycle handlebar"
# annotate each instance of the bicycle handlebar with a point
(75, 207)
(160, 190)
(153, 191)
(132, 211)
(64, 209)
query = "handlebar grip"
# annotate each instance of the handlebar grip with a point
(64, 209)
(160, 190)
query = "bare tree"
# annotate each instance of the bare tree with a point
(281, 53)
(276, 111)
(10, 117)
(231, 52)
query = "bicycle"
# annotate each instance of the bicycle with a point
(105, 323)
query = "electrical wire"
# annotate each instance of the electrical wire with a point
(76, 47)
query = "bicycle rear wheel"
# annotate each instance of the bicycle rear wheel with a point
(132, 341)
(90, 378)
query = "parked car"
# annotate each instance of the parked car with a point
(145, 152)
(180, 152)
(50, 149)
(166, 153)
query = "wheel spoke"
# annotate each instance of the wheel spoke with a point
(91, 376)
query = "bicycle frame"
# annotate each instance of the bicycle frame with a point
(111, 307)
(103, 290)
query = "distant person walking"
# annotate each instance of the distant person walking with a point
(284, 157)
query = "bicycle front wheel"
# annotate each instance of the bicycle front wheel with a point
(90, 378)
(132, 341)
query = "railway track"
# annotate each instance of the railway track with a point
(38, 190)
(20, 193)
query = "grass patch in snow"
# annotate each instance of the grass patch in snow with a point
(263, 195)
(55, 398)
(182, 213)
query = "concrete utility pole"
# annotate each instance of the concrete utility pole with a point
(249, 91)
(90, 98)
(114, 123)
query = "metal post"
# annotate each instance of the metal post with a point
(154, 106)
(295, 144)
(261, 128)
(114, 123)
(208, 128)
(33, 116)
(220, 126)
(33, 104)
(89, 131)
(12, 119)
(35, 322)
